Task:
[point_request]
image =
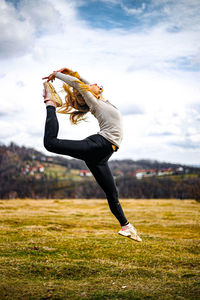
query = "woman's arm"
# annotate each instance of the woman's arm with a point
(90, 100)
(66, 71)
(84, 80)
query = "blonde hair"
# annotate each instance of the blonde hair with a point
(74, 100)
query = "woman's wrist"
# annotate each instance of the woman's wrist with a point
(49, 102)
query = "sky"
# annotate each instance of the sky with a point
(146, 54)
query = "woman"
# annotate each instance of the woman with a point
(96, 149)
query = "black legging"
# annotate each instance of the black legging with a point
(95, 150)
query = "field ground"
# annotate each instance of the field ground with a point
(70, 249)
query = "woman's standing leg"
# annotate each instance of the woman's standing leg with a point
(104, 178)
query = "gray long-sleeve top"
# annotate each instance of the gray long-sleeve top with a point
(108, 116)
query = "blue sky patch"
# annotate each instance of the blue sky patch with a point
(122, 14)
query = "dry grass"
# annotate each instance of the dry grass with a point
(70, 249)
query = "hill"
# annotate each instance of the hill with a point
(26, 172)
(24, 154)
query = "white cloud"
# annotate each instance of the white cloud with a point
(41, 15)
(183, 14)
(21, 26)
(133, 11)
(16, 34)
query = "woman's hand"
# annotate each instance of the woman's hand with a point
(64, 70)
(51, 77)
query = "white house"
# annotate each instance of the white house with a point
(85, 173)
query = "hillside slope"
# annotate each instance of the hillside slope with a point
(25, 172)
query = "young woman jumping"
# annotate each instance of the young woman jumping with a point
(95, 149)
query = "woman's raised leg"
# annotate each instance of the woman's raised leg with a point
(74, 148)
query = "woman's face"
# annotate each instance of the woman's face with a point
(94, 88)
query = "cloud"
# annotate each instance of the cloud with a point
(16, 34)
(164, 133)
(133, 11)
(3, 114)
(8, 131)
(132, 109)
(182, 14)
(22, 24)
(186, 144)
(20, 83)
(42, 15)
(2, 75)
(8, 112)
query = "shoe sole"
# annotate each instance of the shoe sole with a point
(54, 95)
(131, 237)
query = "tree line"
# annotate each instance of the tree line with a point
(128, 187)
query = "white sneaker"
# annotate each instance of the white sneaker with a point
(130, 232)
(49, 93)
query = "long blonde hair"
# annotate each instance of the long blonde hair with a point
(74, 100)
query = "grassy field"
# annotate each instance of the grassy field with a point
(70, 249)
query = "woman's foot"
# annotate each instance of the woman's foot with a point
(50, 95)
(130, 232)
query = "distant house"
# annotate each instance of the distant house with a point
(180, 170)
(163, 172)
(145, 173)
(153, 172)
(140, 173)
(85, 173)
(32, 170)
(41, 168)
(26, 169)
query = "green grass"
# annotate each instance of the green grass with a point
(62, 173)
(70, 249)
(58, 171)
